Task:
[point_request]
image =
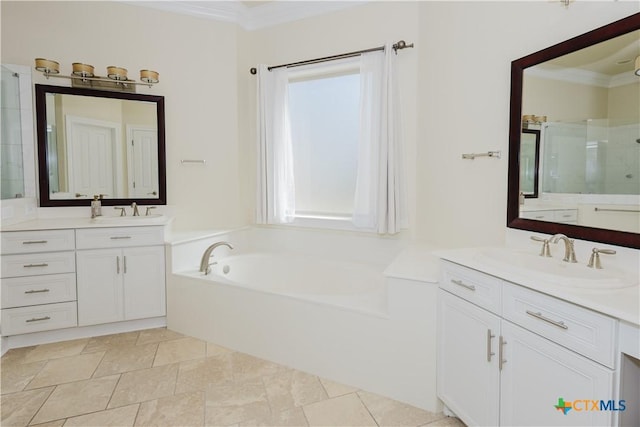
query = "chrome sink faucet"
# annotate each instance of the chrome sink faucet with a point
(134, 206)
(569, 252)
(204, 262)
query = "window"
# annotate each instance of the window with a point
(329, 145)
(324, 119)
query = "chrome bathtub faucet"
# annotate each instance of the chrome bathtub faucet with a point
(205, 266)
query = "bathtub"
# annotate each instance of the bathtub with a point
(319, 303)
(357, 286)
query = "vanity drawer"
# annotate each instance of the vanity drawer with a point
(119, 237)
(34, 290)
(24, 242)
(474, 286)
(38, 264)
(538, 215)
(579, 329)
(39, 318)
(566, 215)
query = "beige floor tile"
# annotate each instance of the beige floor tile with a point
(66, 370)
(181, 410)
(19, 408)
(157, 335)
(15, 355)
(226, 405)
(144, 384)
(178, 350)
(82, 397)
(290, 418)
(16, 376)
(196, 375)
(216, 350)
(335, 389)
(108, 342)
(389, 412)
(246, 367)
(125, 359)
(446, 422)
(292, 389)
(345, 410)
(55, 350)
(119, 417)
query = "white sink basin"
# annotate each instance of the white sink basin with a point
(556, 271)
(151, 218)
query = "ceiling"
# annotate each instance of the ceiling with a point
(253, 14)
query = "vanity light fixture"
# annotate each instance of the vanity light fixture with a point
(82, 75)
(637, 66)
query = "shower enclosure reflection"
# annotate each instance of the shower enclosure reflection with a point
(11, 143)
(591, 157)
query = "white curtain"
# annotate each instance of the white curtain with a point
(380, 194)
(276, 197)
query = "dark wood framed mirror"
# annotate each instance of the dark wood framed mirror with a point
(93, 142)
(622, 36)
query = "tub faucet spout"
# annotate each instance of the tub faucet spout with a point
(569, 251)
(205, 266)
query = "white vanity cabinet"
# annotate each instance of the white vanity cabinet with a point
(507, 362)
(38, 281)
(120, 274)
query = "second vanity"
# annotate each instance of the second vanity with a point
(517, 347)
(67, 278)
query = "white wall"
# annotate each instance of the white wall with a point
(465, 51)
(196, 59)
(361, 27)
(455, 88)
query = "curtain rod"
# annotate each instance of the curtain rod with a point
(396, 46)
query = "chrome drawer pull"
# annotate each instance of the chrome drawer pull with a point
(464, 285)
(44, 264)
(489, 352)
(501, 345)
(538, 315)
(37, 319)
(38, 291)
(117, 265)
(119, 237)
(124, 264)
(31, 242)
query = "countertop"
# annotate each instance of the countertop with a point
(66, 223)
(416, 262)
(623, 304)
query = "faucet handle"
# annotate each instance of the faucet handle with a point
(123, 211)
(546, 251)
(148, 209)
(594, 259)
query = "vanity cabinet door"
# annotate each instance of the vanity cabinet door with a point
(144, 282)
(468, 374)
(100, 293)
(537, 372)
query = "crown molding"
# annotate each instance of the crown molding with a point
(579, 76)
(249, 18)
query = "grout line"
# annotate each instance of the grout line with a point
(367, 408)
(113, 391)
(43, 402)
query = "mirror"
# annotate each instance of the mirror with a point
(586, 97)
(93, 142)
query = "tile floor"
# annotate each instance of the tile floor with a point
(158, 377)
